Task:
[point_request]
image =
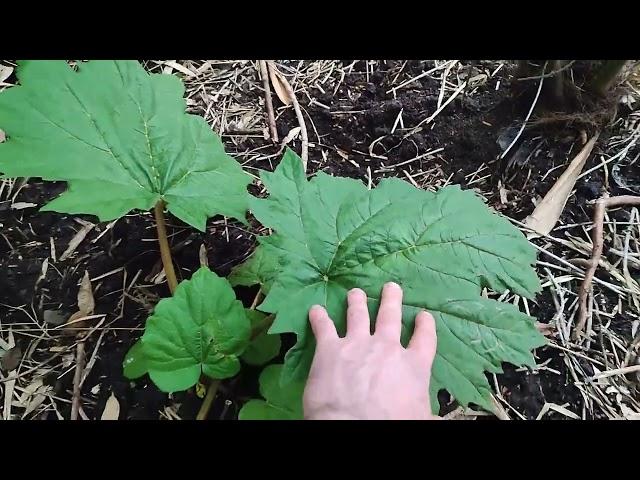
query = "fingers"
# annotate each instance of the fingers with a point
(357, 314)
(423, 342)
(389, 320)
(322, 326)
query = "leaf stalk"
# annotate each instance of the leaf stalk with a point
(165, 250)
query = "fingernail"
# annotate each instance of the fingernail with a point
(425, 314)
(316, 307)
(391, 285)
(356, 292)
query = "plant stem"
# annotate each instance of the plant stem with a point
(165, 250)
(203, 413)
(256, 299)
(262, 327)
(597, 240)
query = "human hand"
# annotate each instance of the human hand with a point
(370, 377)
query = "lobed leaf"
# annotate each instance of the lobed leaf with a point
(264, 347)
(260, 268)
(121, 139)
(281, 402)
(202, 329)
(332, 234)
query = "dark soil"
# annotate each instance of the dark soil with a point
(468, 129)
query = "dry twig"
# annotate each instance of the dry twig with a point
(75, 402)
(597, 240)
(268, 102)
(303, 127)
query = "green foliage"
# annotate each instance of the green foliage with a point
(264, 347)
(121, 139)
(259, 268)
(135, 364)
(202, 329)
(332, 234)
(281, 402)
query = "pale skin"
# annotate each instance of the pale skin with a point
(364, 376)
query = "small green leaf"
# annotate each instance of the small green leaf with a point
(259, 269)
(135, 364)
(201, 329)
(264, 347)
(121, 139)
(333, 234)
(281, 402)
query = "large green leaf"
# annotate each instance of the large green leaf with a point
(282, 402)
(260, 268)
(121, 139)
(332, 234)
(201, 329)
(265, 346)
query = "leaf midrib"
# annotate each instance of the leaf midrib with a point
(402, 251)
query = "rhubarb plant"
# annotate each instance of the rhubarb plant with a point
(122, 141)
(120, 138)
(201, 330)
(333, 234)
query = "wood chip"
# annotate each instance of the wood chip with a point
(557, 408)
(77, 240)
(503, 193)
(548, 211)
(111, 409)
(52, 249)
(43, 271)
(5, 72)
(202, 255)
(459, 414)
(628, 413)
(180, 68)
(22, 205)
(75, 324)
(8, 395)
(292, 135)
(11, 359)
(279, 83)
(86, 303)
(33, 396)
